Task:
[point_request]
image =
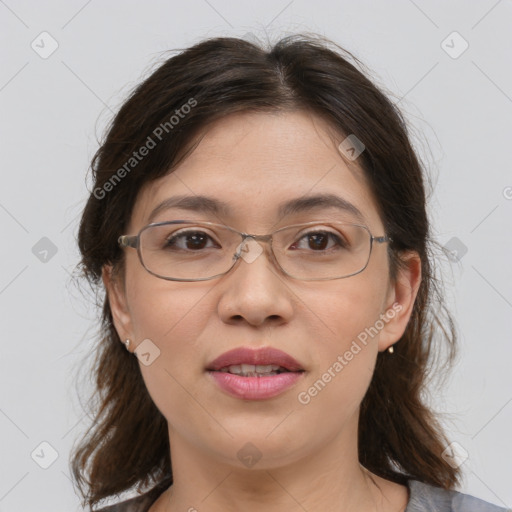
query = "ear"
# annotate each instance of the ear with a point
(400, 300)
(118, 304)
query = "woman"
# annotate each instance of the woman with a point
(277, 372)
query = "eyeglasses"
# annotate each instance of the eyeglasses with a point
(184, 250)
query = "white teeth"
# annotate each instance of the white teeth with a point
(251, 370)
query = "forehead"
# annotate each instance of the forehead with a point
(254, 164)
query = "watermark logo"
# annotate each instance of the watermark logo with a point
(249, 455)
(44, 455)
(147, 352)
(250, 250)
(454, 45)
(44, 250)
(351, 147)
(251, 38)
(455, 454)
(455, 249)
(44, 45)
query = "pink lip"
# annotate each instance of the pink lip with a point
(255, 388)
(263, 356)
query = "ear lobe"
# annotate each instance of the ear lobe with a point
(401, 298)
(117, 301)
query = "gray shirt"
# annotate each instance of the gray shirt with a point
(423, 498)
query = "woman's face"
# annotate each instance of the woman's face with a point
(253, 163)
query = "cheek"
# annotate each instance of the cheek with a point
(172, 316)
(166, 312)
(338, 311)
(341, 324)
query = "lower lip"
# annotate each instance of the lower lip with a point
(255, 388)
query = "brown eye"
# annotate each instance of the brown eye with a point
(319, 241)
(188, 240)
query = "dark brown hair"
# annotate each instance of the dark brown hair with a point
(399, 435)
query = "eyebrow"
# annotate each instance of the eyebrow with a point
(205, 204)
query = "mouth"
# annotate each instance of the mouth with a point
(252, 370)
(255, 374)
(250, 362)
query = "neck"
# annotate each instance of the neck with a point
(329, 479)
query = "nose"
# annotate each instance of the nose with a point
(255, 290)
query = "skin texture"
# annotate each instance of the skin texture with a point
(309, 457)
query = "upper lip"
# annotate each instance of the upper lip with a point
(259, 356)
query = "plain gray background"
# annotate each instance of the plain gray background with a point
(458, 104)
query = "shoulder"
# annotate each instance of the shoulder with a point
(427, 498)
(141, 503)
(137, 504)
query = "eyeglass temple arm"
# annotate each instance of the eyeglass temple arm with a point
(128, 241)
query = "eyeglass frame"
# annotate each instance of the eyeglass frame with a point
(133, 241)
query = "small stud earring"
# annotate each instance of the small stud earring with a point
(391, 349)
(127, 343)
